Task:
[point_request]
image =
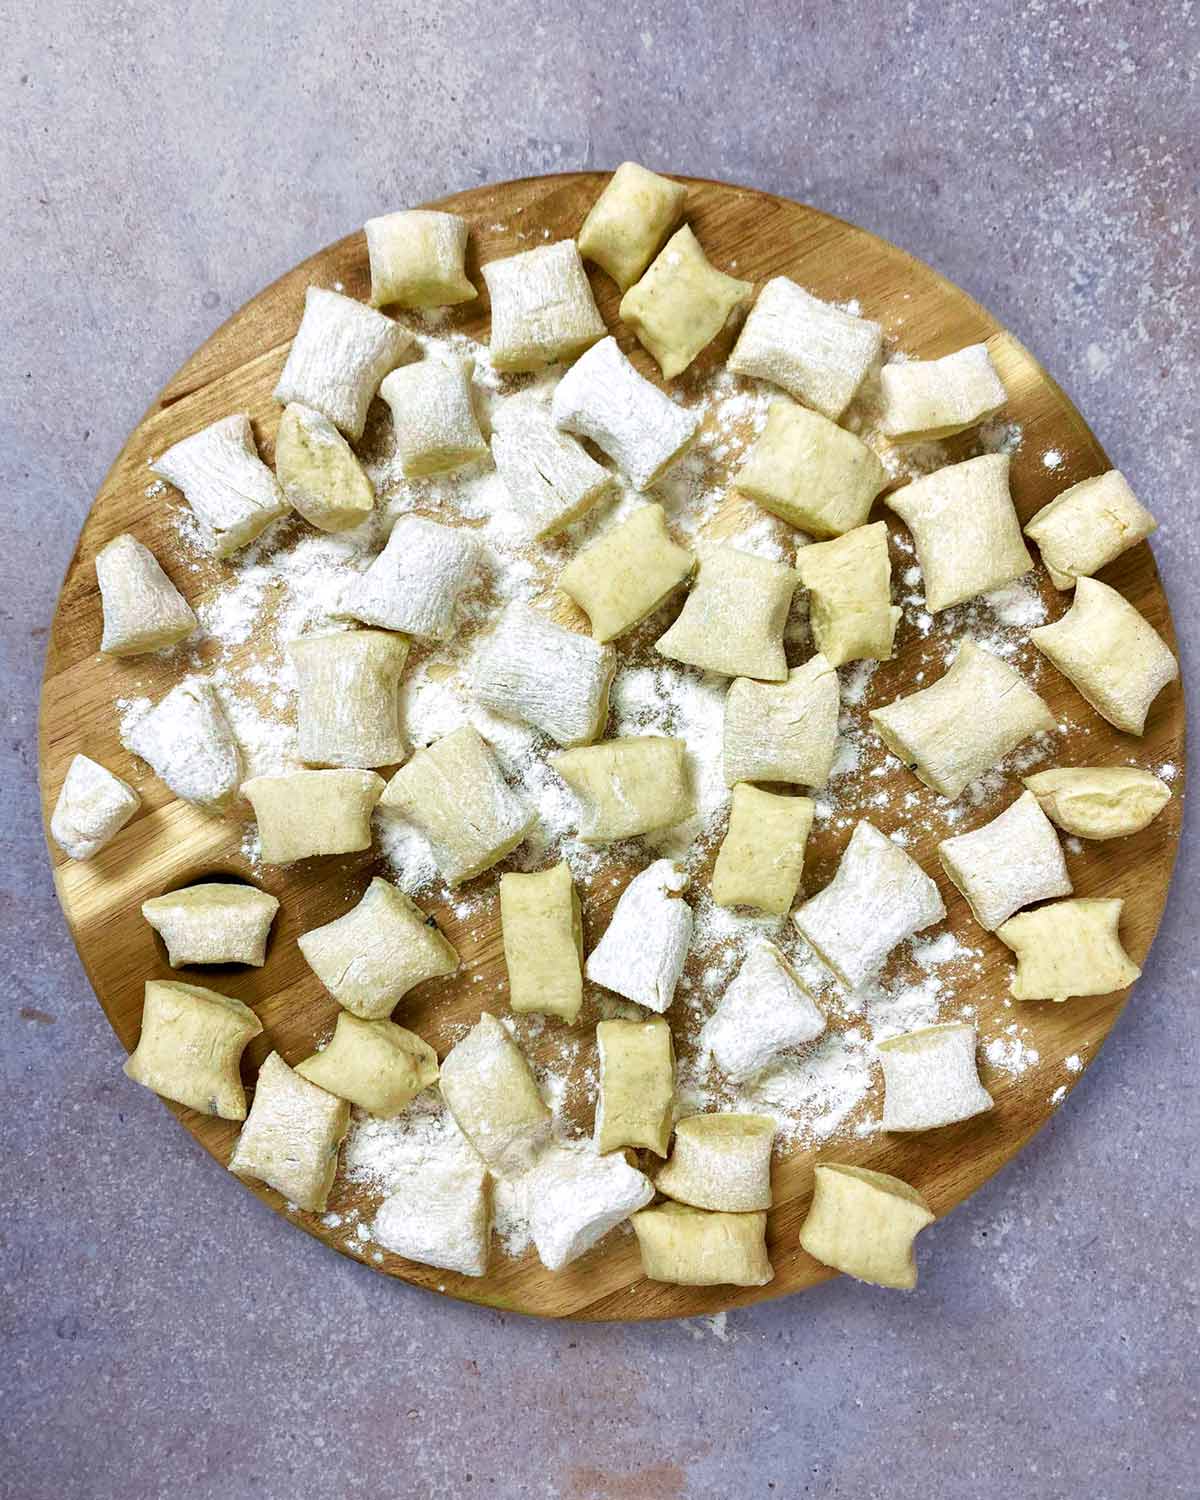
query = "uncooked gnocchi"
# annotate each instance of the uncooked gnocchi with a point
(490, 1091)
(783, 731)
(642, 952)
(626, 573)
(849, 583)
(930, 1078)
(377, 1065)
(213, 923)
(928, 399)
(681, 303)
(766, 1011)
(636, 1096)
(543, 310)
(416, 582)
(292, 1136)
(864, 1223)
(1088, 526)
(628, 786)
(190, 1047)
(143, 610)
(1006, 864)
(348, 710)
(761, 857)
(692, 1247)
(732, 621)
(629, 221)
(1100, 802)
(1068, 948)
(305, 813)
(93, 806)
(417, 259)
(543, 942)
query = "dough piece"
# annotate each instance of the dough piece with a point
(1111, 653)
(635, 1105)
(1086, 527)
(370, 957)
(965, 529)
(292, 1136)
(1100, 802)
(433, 417)
(543, 310)
(850, 595)
(1068, 948)
(143, 610)
(318, 471)
(543, 942)
(348, 711)
(761, 857)
(232, 492)
(627, 573)
(965, 723)
(532, 669)
(186, 740)
(783, 731)
(93, 806)
(931, 1079)
(927, 399)
(1006, 864)
(377, 1065)
(305, 813)
(864, 1223)
(213, 923)
(439, 1215)
(629, 221)
(575, 1197)
(815, 351)
(733, 619)
(642, 430)
(416, 582)
(766, 1011)
(642, 952)
(636, 784)
(811, 472)
(418, 259)
(191, 1047)
(551, 479)
(689, 1247)
(878, 899)
(681, 303)
(454, 794)
(341, 352)
(490, 1091)
(722, 1162)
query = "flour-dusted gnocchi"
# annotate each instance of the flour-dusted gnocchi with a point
(635, 1104)
(439, 1213)
(213, 923)
(811, 472)
(318, 471)
(341, 352)
(761, 857)
(490, 1091)
(1086, 527)
(629, 221)
(292, 1136)
(415, 583)
(232, 493)
(636, 784)
(93, 806)
(575, 1197)
(691, 1247)
(733, 619)
(815, 351)
(543, 310)
(377, 1065)
(1100, 802)
(550, 478)
(766, 1011)
(1111, 653)
(682, 303)
(849, 583)
(879, 897)
(783, 731)
(1008, 863)
(543, 942)
(418, 259)
(965, 723)
(928, 399)
(1068, 948)
(532, 669)
(143, 610)
(191, 1046)
(931, 1078)
(642, 430)
(433, 415)
(721, 1162)
(626, 573)
(642, 952)
(348, 711)
(864, 1223)
(305, 813)
(965, 529)
(186, 740)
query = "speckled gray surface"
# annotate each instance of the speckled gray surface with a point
(163, 1334)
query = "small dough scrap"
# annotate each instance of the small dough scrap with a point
(415, 583)
(931, 1078)
(681, 303)
(292, 1136)
(543, 311)
(721, 1162)
(864, 1223)
(143, 610)
(93, 806)
(1100, 802)
(635, 784)
(1086, 527)
(318, 471)
(186, 741)
(1006, 864)
(543, 942)
(766, 1011)
(191, 1046)
(550, 477)
(377, 1065)
(305, 813)
(626, 573)
(418, 259)
(433, 417)
(928, 399)
(490, 1091)
(850, 595)
(234, 495)
(440, 1214)
(348, 711)
(575, 1197)
(635, 1105)
(213, 923)
(643, 950)
(733, 619)
(1068, 948)
(761, 857)
(690, 1247)
(783, 731)
(629, 221)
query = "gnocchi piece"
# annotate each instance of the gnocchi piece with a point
(931, 1079)
(415, 583)
(878, 898)
(864, 1223)
(306, 813)
(233, 494)
(433, 417)
(815, 351)
(963, 724)
(543, 942)
(689, 1247)
(341, 352)
(418, 259)
(642, 430)
(1068, 948)
(369, 958)
(143, 610)
(811, 472)
(377, 1065)
(440, 1214)
(627, 573)
(1111, 653)
(543, 311)
(681, 303)
(1006, 864)
(629, 221)
(1100, 802)
(532, 669)
(292, 1136)
(453, 793)
(642, 952)
(575, 1197)
(635, 1105)
(761, 857)
(550, 478)
(187, 742)
(191, 1046)
(636, 784)
(491, 1093)
(783, 731)
(348, 701)
(927, 399)
(213, 923)
(721, 1162)
(1088, 526)
(93, 806)
(733, 619)
(766, 1011)
(849, 583)
(318, 471)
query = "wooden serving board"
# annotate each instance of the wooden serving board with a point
(170, 844)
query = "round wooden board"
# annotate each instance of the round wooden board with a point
(170, 844)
